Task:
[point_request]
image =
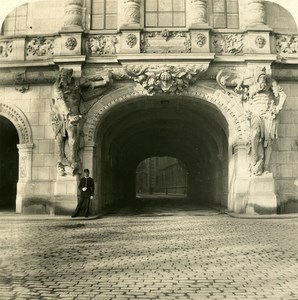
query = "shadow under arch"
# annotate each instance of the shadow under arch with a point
(199, 127)
(19, 121)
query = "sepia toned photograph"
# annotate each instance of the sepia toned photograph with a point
(149, 149)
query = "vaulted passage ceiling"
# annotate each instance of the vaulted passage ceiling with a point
(193, 132)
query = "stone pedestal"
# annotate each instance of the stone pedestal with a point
(261, 197)
(65, 195)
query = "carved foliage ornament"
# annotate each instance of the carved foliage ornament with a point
(228, 43)
(40, 47)
(5, 48)
(286, 44)
(165, 79)
(102, 44)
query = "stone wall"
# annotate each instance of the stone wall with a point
(285, 156)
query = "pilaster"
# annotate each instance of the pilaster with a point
(198, 13)
(25, 173)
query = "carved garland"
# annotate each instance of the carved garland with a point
(286, 44)
(16, 116)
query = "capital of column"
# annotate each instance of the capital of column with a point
(73, 14)
(198, 12)
(131, 13)
(256, 13)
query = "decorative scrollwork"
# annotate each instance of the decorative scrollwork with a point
(201, 39)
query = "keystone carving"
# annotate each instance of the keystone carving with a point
(102, 44)
(5, 48)
(164, 78)
(262, 99)
(287, 44)
(228, 43)
(40, 47)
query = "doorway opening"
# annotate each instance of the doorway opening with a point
(9, 165)
(191, 132)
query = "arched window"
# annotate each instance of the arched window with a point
(104, 14)
(165, 13)
(225, 14)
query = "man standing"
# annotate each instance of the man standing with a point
(86, 188)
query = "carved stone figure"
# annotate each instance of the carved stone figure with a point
(263, 98)
(67, 112)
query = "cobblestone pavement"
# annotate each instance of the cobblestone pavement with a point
(163, 256)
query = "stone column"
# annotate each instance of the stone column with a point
(25, 173)
(131, 26)
(198, 13)
(73, 15)
(256, 13)
(131, 13)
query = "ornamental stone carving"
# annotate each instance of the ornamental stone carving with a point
(228, 43)
(20, 81)
(260, 41)
(102, 44)
(23, 166)
(198, 12)
(262, 99)
(166, 42)
(71, 43)
(165, 78)
(131, 40)
(40, 47)
(19, 120)
(73, 13)
(256, 13)
(5, 48)
(201, 39)
(131, 12)
(286, 44)
(68, 106)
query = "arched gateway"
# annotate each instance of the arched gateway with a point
(204, 127)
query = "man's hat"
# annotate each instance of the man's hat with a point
(86, 171)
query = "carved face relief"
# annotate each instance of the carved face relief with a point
(201, 39)
(260, 41)
(71, 43)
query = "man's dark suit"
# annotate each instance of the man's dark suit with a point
(85, 182)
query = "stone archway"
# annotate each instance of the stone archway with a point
(25, 147)
(215, 102)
